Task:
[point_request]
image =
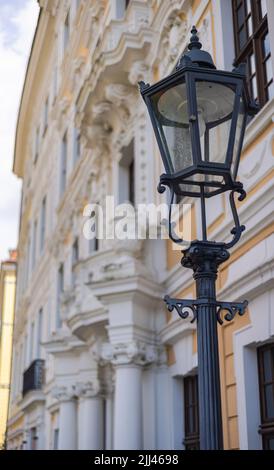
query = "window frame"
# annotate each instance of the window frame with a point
(77, 145)
(39, 333)
(64, 163)
(46, 115)
(60, 290)
(34, 244)
(266, 428)
(66, 30)
(33, 438)
(191, 438)
(43, 222)
(253, 44)
(55, 443)
(126, 181)
(36, 144)
(94, 241)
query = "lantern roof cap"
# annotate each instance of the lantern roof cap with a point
(195, 54)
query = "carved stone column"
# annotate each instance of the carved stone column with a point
(90, 417)
(67, 418)
(128, 360)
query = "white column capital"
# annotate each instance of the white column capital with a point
(133, 352)
(64, 393)
(89, 389)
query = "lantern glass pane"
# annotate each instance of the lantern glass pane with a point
(238, 140)
(215, 104)
(171, 113)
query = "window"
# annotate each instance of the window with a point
(28, 258)
(75, 258)
(60, 290)
(104, 420)
(36, 144)
(253, 48)
(43, 223)
(55, 83)
(94, 242)
(25, 351)
(75, 251)
(127, 175)
(77, 145)
(55, 439)
(131, 176)
(64, 151)
(119, 7)
(46, 115)
(191, 440)
(33, 439)
(21, 368)
(266, 385)
(39, 333)
(31, 342)
(66, 30)
(34, 244)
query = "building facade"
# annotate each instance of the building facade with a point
(7, 304)
(98, 361)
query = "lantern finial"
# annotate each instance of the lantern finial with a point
(195, 54)
(194, 40)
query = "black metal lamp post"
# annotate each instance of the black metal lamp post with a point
(199, 116)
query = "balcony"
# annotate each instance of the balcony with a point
(33, 377)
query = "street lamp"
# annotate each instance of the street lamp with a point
(199, 115)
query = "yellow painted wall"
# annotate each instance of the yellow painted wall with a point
(228, 381)
(7, 301)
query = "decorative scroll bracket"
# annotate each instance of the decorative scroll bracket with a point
(238, 229)
(182, 306)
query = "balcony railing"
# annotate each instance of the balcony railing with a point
(33, 377)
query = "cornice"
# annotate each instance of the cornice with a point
(63, 343)
(37, 62)
(83, 324)
(128, 287)
(35, 397)
(253, 282)
(51, 6)
(17, 416)
(259, 123)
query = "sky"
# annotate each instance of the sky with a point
(18, 19)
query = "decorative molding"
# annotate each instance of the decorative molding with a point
(205, 34)
(123, 98)
(100, 112)
(173, 35)
(250, 166)
(139, 71)
(89, 389)
(62, 109)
